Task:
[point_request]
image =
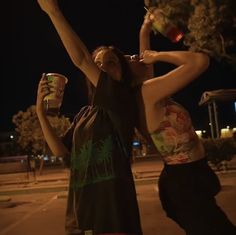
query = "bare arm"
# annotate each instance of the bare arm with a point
(76, 49)
(190, 66)
(53, 141)
(144, 41)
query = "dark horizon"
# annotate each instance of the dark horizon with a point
(36, 48)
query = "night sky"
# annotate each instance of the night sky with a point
(32, 46)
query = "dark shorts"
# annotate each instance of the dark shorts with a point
(187, 193)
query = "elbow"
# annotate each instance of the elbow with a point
(202, 62)
(77, 62)
(78, 59)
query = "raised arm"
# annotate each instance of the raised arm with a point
(144, 41)
(189, 66)
(76, 49)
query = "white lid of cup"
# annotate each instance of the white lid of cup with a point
(57, 75)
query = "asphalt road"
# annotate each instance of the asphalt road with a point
(44, 213)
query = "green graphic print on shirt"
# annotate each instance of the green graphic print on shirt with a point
(93, 164)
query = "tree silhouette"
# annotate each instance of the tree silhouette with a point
(30, 136)
(208, 25)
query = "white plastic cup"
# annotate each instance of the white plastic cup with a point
(53, 100)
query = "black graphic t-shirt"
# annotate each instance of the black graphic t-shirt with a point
(102, 197)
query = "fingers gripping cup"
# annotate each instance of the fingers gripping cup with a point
(53, 101)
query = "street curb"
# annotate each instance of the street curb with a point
(44, 189)
(227, 173)
(32, 181)
(64, 186)
(4, 198)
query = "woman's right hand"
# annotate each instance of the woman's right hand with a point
(43, 90)
(49, 6)
(149, 57)
(156, 14)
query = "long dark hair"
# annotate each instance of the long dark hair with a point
(127, 75)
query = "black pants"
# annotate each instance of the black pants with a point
(187, 193)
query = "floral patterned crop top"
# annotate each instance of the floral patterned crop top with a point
(176, 139)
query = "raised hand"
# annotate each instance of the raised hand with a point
(49, 6)
(147, 23)
(43, 90)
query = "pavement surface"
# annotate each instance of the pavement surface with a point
(144, 170)
(36, 205)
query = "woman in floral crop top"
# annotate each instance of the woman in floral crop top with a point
(187, 185)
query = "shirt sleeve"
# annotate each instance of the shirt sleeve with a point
(67, 137)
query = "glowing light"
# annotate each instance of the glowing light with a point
(199, 133)
(178, 37)
(226, 132)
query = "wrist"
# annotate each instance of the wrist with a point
(40, 110)
(56, 12)
(145, 29)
